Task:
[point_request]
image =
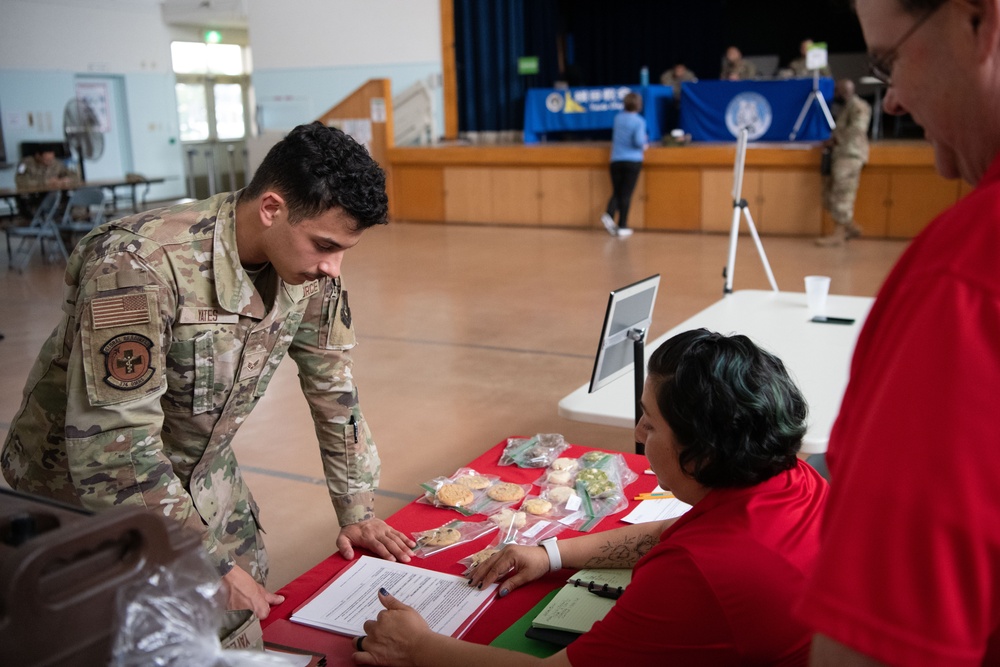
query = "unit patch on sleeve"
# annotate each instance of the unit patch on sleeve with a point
(127, 361)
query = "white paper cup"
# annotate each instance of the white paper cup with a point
(817, 289)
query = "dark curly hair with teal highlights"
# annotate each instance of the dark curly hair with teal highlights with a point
(316, 168)
(736, 414)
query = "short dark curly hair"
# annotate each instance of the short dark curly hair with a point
(316, 168)
(736, 414)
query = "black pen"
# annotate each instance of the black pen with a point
(606, 592)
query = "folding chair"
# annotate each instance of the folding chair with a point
(41, 228)
(84, 211)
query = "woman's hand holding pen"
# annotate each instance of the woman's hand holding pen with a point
(526, 563)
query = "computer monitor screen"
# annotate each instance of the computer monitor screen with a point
(629, 308)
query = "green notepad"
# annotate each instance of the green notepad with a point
(575, 608)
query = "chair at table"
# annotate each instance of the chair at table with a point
(84, 211)
(42, 228)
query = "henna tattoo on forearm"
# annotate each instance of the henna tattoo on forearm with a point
(622, 552)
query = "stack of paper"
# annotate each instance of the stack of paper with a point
(447, 602)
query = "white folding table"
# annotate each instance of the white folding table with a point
(817, 356)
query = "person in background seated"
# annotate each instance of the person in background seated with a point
(677, 75)
(628, 143)
(37, 172)
(848, 146)
(674, 77)
(734, 68)
(797, 68)
(43, 170)
(722, 424)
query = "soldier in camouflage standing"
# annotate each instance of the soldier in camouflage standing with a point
(174, 323)
(848, 145)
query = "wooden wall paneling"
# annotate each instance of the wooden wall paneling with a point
(871, 208)
(600, 193)
(637, 209)
(790, 202)
(565, 196)
(717, 199)
(468, 194)
(515, 196)
(673, 199)
(917, 198)
(419, 193)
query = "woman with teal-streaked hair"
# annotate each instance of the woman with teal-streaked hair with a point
(722, 424)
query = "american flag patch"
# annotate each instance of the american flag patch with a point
(118, 311)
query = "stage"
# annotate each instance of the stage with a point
(682, 188)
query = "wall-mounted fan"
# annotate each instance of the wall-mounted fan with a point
(83, 133)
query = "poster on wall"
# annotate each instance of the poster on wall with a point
(95, 94)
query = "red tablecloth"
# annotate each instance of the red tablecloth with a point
(418, 516)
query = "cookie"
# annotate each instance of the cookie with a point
(560, 477)
(563, 463)
(506, 516)
(441, 537)
(454, 495)
(505, 491)
(474, 481)
(537, 506)
(481, 557)
(559, 494)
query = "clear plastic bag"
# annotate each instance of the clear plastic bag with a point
(464, 492)
(534, 530)
(537, 451)
(450, 535)
(600, 485)
(173, 619)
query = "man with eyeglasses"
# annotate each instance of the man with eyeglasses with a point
(909, 569)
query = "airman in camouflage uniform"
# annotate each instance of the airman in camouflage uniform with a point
(734, 68)
(43, 169)
(848, 145)
(37, 173)
(174, 323)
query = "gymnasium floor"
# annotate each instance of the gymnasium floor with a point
(467, 334)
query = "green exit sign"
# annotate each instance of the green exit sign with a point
(527, 65)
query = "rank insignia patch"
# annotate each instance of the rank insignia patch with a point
(126, 361)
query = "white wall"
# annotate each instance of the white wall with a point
(310, 54)
(46, 43)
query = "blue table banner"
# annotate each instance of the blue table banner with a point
(590, 108)
(716, 110)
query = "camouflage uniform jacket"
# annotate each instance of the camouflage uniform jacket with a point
(164, 348)
(32, 173)
(850, 137)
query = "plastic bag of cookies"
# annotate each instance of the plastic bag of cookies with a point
(463, 492)
(534, 530)
(449, 535)
(498, 496)
(537, 451)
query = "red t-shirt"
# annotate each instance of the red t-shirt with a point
(910, 568)
(719, 587)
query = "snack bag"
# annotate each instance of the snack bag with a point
(451, 534)
(535, 452)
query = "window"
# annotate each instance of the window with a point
(212, 83)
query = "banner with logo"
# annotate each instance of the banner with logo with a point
(590, 108)
(716, 110)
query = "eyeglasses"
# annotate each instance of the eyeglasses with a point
(881, 67)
